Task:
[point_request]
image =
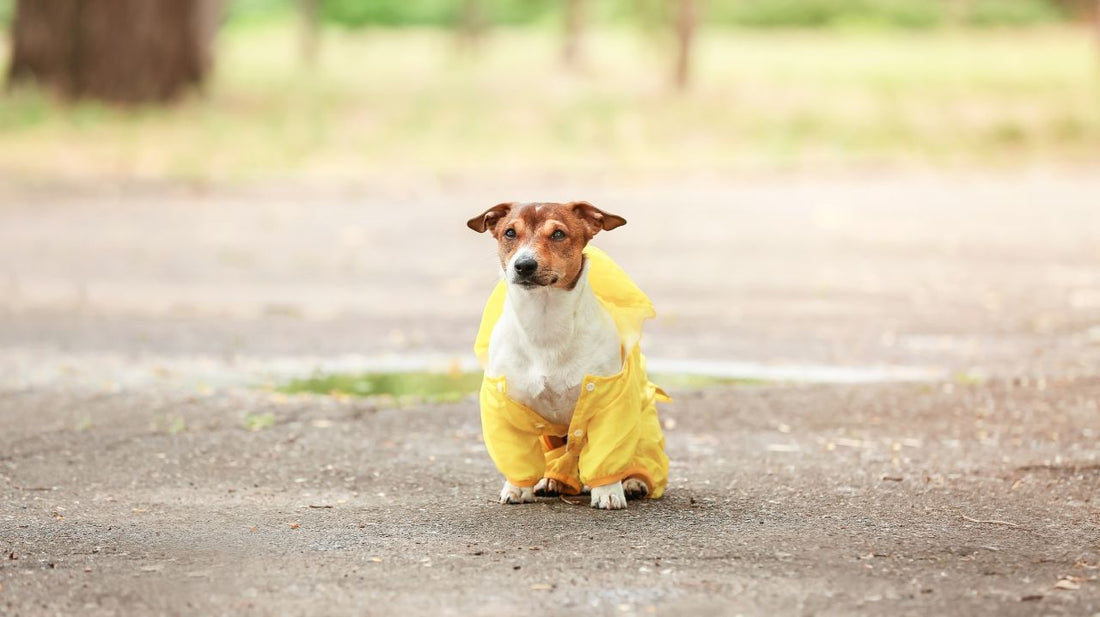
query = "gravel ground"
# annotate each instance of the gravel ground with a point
(136, 321)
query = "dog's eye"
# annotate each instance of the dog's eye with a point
(557, 235)
(510, 233)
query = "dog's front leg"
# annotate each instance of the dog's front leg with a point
(609, 496)
(516, 494)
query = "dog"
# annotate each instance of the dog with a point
(566, 405)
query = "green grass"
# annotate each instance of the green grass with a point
(419, 386)
(258, 421)
(701, 382)
(393, 104)
(446, 387)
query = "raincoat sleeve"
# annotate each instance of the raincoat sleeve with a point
(517, 453)
(606, 458)
(614, 429)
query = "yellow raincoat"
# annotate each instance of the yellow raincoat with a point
(614, 434)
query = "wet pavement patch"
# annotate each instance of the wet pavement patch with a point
(452, 386)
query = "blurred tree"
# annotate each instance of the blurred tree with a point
(311, 30)
(574, 27)
(959, 11)
(686, 18)
(116, 50)
(472, 24)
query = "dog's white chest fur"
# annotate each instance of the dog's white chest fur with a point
(547, 340)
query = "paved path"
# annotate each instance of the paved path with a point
(135, 321)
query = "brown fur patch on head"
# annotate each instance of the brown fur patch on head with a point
(488, 220)
(555, 234)
(596, 219)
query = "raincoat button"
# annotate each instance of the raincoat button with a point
(500, 387)
(578, 433)
(590, 387)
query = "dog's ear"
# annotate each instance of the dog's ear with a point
(489, 218)
(595, 218)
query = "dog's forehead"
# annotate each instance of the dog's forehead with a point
(535, 213)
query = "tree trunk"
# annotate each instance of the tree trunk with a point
(311, 30)
(686, 21)
(471, 24)
(958, 12)
(574, 27)
(117, 50)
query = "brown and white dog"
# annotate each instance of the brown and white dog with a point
(553, 330)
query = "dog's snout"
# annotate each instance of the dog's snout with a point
(526, 266)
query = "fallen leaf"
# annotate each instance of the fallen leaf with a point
(294, 525)
(541, 587)
(139, 510)
(1031, 598)
(376, 559)
(1066, 585)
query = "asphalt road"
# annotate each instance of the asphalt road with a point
(138, 321)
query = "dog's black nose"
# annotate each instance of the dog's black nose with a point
(526, 266)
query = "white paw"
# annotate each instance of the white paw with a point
(609, 497)
(635, 488)
(516, 494)
(548, 487)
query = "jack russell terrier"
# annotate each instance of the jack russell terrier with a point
(566, 406)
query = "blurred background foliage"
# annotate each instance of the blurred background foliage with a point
(745, 13)
(776, 84)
